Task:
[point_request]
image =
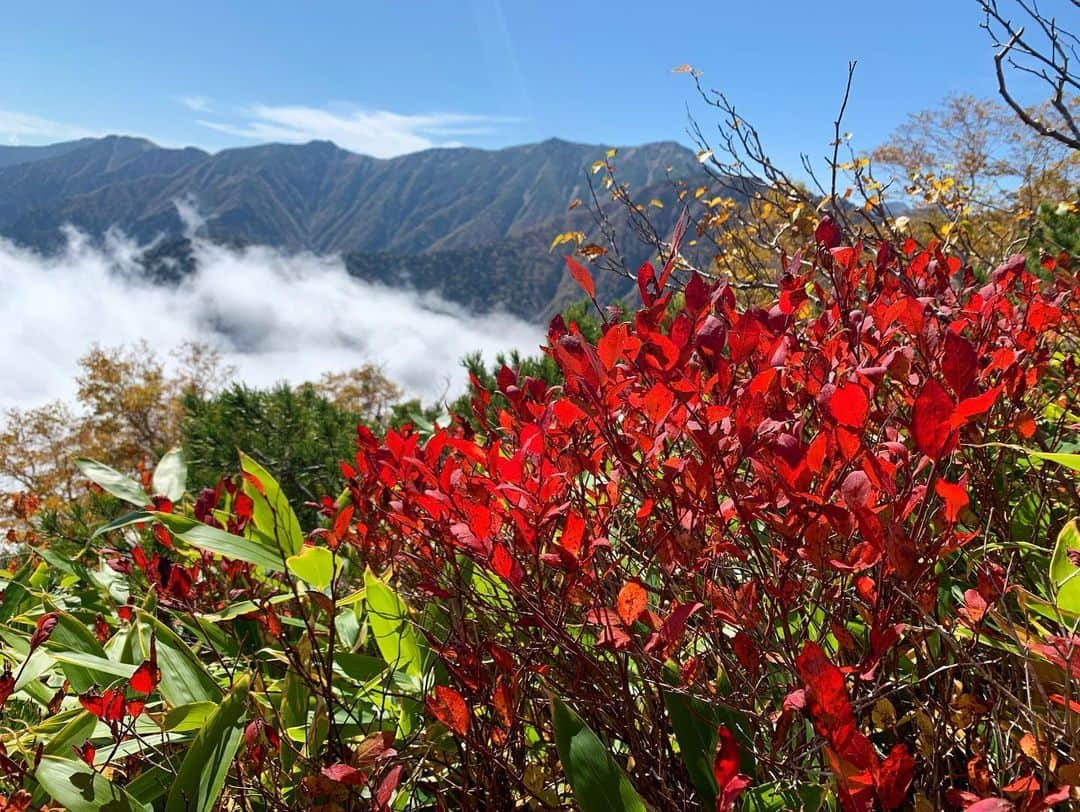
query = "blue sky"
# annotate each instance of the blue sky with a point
(390, 77)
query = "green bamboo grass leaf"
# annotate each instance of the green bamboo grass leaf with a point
(79, 729)
(599, 784)
(74, 786)
(1071, 461)
(152, 783)
(272, 513)
(16, 592)
(71, 638)
(1063, 572)
(218, 541)
(128, 519)
(170, 475)
(205, 766)
(112, 481)
(189, 717)
(294, 713)
(93, 663)
(394, 634)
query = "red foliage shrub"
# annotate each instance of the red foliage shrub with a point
(756, 513)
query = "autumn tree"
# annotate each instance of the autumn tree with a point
(976, 175)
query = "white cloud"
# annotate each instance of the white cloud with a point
(274, 316)
(379, 133)
(200, 104)
(19, 128)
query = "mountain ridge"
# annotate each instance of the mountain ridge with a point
(451, 202)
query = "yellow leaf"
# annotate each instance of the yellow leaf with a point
(576, 237)
(704, 155)
(611, 153)
(656, 203)
(883, 715)
(597, 166)
(682, 69)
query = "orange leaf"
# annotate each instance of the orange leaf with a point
(631, 602)
(448, 706)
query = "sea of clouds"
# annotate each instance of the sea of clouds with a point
(275, 316)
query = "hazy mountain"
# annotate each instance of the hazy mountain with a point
(472, 224)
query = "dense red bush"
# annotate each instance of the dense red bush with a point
(756, 522)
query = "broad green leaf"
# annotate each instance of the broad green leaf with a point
(184, 678)
(598, 783)
(1028, 522)
(74, 733)
(74, 786)
(170, 476)
(770, 798)
(315, 565)
(1063, 572)
(189, 717)
(91, 662)
(112, 481)
(1068, 460)
(218, 541)
(695, 731)
(70, 637)
(206, 764)
(395, 636)
(272, 513)
(359, 667)
(152, 783)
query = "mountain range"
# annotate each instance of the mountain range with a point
(473, 225)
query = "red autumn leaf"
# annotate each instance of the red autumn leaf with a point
(344, 774)
(341, 522)
(573, 534)
(581, 276)
(930, 416)
(894, 776)
(7, 686)
(45, 625)
(101, 629)
(146, 678)
(955, 497)
(826, 696)
(730, 792)
(109, 707)
(448, 706)
(244, 505)
(503, 701)
(86, 752)
(959, 364)
(726, 762)
(506, 566)
(828, 233)
(387, 786)
(974, 406)
(849, 405)
(631, 602)
(974, 605)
